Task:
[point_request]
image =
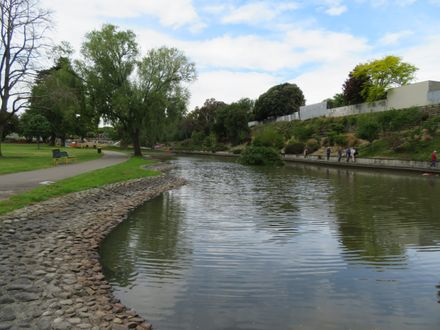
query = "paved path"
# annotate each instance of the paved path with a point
(19, 182)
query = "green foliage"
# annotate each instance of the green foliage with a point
(268, 137)
(259, 155)
(432, 124)
(294, 148)
(34, 125)
(352, 89)
(59, 96)
(231, 122)
(384, 74)
(336, 101)
(303, 132)
(368, 130)
(279, 100)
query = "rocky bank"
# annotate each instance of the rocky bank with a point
(50, 275)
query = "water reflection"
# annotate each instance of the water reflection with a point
(289, 248)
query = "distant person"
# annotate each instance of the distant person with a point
(339, 153)
(355, 154)
(306, 152)
(348, 154)
(328, 151)
(434, 159)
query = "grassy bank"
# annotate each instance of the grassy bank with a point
(130, 169)
(27, 157)
(407, 134)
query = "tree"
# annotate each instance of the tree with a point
(159, 84)
(336, 101)
(352, 88)
(34, 125)
(23, 25)
(279, 100)
(231, 122)
(133, 102)
(59, 96)
(384, 74)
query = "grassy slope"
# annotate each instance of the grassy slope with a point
(408, 134)
(26, 157)
(130, 169)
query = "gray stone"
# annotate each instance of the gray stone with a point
(44, 323)
(7, 314)
(5, 325)
(6, 300)
(25, 296)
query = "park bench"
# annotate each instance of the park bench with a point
(58, 155)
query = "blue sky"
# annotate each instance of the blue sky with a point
(242, 48)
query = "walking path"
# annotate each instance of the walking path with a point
(368, 163)
(15, 183)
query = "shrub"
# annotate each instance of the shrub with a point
(302, 133)
(294, 148)
(268, 137)
(312, 145)
(257, 155)
(368, 130)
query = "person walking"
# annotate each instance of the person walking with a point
(328, 152)
(434, 159)
(339, 153)
(348, 154)
(306, 152)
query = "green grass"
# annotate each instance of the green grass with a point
(131, 169)
(27, 157)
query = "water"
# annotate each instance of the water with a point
(289, 248)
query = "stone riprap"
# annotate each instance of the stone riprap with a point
(50, 274)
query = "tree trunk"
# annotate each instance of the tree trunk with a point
(1, 140)
(52, 140)
(136, 143)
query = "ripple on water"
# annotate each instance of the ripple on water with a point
(287, 248)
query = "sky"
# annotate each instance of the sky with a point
(242, 48)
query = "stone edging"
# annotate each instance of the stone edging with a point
(50, 274)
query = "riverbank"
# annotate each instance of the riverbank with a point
(367, 163)
(50, 275)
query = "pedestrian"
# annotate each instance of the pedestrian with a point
(328, 152)
(353, 154)
(306, 152)
(348, 154)
(434, 159)
(339, 153)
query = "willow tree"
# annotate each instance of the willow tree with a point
(131, 98)
(23, 27)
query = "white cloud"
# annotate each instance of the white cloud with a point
(336, 11)
(333, 7)
(256, 12)
(229, 86)
(395, 37)
(425, 57)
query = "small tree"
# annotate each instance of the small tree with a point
(34, 125)
(384, 74)
(279, 100)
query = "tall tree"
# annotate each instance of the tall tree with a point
(279, 100)
(159, 88)
(58, 95)
(353, 87)
(23, 25)
(384, 74)
(34, 125)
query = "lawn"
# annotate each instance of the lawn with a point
(27, 157)
(131, 169)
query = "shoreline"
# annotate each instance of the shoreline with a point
(50, 271)
(388, 164)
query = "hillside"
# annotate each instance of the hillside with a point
(410, 134)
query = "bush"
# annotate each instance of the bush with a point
(268, 137)
(302, 133)
(257, 155)
(368, 130)
(312, 145)
(294, 148)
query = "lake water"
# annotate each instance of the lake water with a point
(297, 247)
